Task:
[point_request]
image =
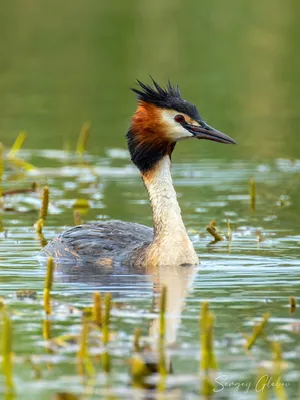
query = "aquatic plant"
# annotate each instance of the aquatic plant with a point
(147, 365)
(84, 363)
(7, 355)
(252, 190)
(208, 359)
(77, 217)
(12, 154)
(292, 301)
(229, 231)
(82, 139)
(258, 330)
(18, 143)
(97, 309)
(277, 371)
(136, 340)
(43, 211)
(212, 229)
(105, 358)
(162, 328)
(48, 285)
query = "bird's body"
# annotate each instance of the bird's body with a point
(105, 244)
(162, 119)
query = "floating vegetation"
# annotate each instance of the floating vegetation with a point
(32, 189)
(212, 229)
(65, 396)
(258, 330)
(26, 294)
(43, 211)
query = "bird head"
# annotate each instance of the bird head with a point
(162, 119)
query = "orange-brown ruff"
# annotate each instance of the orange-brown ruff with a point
(149, 129)
(162, 119)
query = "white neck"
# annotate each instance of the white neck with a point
(171, 244)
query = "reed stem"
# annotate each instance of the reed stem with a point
(208, 359)
(83, 137)
(97, 309)
(252, 189)
(43, 210)
(162, 329)
(257, 331)
(229, 231)
(106, 361)
(48, 286)
(7, 362)
(162, 367)
(84, 362)
(136, 340)
(292, 301)
(18, 143)
(279, 390)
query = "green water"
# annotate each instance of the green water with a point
(64, 63)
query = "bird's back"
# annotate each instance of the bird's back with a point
(104, 244)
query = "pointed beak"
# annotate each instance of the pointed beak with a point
(207, 132)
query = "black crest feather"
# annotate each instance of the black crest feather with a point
(168, 97)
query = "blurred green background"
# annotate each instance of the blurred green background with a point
(63, 63)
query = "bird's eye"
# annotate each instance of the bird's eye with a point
(179, 118)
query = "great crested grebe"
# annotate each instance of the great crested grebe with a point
(161, 120)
